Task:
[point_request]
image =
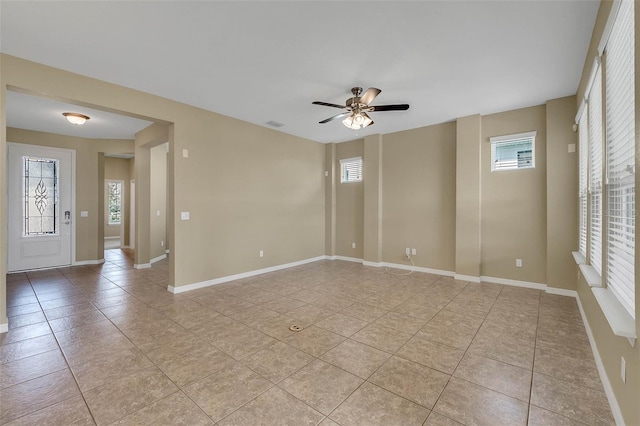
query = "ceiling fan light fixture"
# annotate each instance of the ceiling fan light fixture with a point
(357, 121)
(76, 118)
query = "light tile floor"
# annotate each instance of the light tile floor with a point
(108, 344)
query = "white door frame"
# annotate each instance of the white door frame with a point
(74, 216)
(132, 214)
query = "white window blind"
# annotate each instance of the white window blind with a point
(595, 172)
(513, 151)
(620, 149)
(351, 170)
(583, 141)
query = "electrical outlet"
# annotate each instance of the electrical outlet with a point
(623, 369)
(413, 251)
(353, 245)
(157, 212)
(261, 253)
(407, 251)
(161, 243)
(518, 263)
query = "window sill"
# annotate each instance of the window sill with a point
(590, 275)
(579, 258)
(621, 323)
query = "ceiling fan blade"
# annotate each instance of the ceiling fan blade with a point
(370, 95)
(328, 104)
(398, 107)
(335, 117)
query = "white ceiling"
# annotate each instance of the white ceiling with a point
(45, 115)
(267, 60)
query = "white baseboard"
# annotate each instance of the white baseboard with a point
(158, 259)
(562, 292)
(372, 264)
(203, 284)
(87, 262)
(606, 384)
(141, 265)
(4, 327)
(345, 258)
(469, 278)
(417, 269)
(112, 238)
(516, 283)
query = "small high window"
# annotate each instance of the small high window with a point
(351, 170)
(115, 202)
(513, 152)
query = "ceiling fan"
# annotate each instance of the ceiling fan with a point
(356, 108)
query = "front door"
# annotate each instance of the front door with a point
(39, 201)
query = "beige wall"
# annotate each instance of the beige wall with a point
(89, 184)
(118, 169)
(514, 203)
(158, 201)
(468, 196)
(418, 196)
(562, 193)
(349, 204)
(330, 199)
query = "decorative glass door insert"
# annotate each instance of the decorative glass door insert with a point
(41, 197)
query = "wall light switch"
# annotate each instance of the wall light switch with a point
(518, 263)
(571, 147)
(185, 153)
(84, 213)
(161, 243)
(261, 253)
(353, 245)
(184, 215)
(158, 213)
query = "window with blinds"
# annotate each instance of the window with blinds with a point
(595, 173)
(351, 170)
(583, 141)
(513, 151)
(620, 149)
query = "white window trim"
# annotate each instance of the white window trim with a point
(620, 321)
(579, 258)
(507, 138)
(350, 160)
